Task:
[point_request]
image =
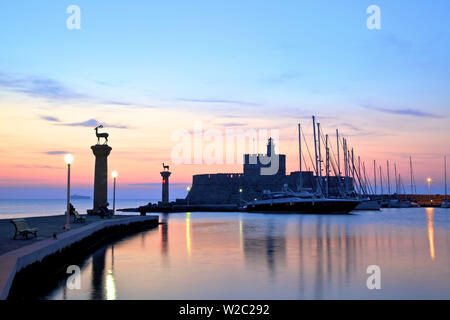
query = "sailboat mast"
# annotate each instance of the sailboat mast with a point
(320, 153)
(389, 180)
(344, 146)
(338, 153)
(365, 179)
(348, 163)
(353, 170)
(375, 175)
(359, 175)
(315, 146)
(327, 164)
(395, 175)
(445, 175)
(411, 172)
(401, 187)
(381, 182)
(300, 182)
(319, 185)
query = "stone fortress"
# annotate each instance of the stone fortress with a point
(235, 188)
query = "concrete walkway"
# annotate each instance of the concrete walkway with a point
(18, 254)
(47, 227)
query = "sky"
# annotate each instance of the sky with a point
(148, 70)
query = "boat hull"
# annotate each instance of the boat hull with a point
(314, 207)
(402, 204)
(369, 205)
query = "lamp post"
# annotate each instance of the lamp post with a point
(240, 196)
(68, 159)
(114, 175)
(429, 188)
(188, 189)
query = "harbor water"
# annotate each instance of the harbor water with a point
(274, 256)
(26, 208)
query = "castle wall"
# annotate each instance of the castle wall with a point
(223, 188)
(231, 188)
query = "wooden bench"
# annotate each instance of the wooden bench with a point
(77, 217)
(22, 228)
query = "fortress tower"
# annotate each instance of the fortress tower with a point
(254, 162)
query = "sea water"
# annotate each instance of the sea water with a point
(274, 256)
(10, 209)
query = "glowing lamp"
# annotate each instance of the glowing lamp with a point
(68, 159)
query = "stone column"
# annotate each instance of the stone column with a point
(101, 152)
(165, 186)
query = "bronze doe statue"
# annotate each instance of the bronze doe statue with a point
(101, 135)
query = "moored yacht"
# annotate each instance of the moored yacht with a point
(368, 204)
(288, 201)
(396, 203)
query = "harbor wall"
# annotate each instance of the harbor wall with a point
(28, 266)
(423, 200)
(224, 188)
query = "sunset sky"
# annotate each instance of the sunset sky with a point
(148, 69)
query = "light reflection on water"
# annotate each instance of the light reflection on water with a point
(430, 212)
(255, 256)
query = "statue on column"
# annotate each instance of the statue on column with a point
(101, 152)
(101, 135)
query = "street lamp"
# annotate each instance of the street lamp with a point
(188, 188)
(429, 188)
(114, 175)
(68, 159)
(240, 195)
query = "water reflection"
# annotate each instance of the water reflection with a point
(264, 243)
(244, 256)
(430, 213)
(110, 283)
(188, 233)
(165, 234)
(241, 233)
(98, 272)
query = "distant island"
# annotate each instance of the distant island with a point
(78, 197)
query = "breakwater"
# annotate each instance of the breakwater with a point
(39, 263)
(423, 200)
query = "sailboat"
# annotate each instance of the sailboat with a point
(399, 203)
(287, 201)
(445, 203)
(367, 203)
(303, 201)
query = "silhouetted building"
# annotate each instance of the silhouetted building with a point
(225, 188)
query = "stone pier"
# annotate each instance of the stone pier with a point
(101, 152)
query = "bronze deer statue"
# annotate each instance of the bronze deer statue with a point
(165, 167)
(101, 135)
